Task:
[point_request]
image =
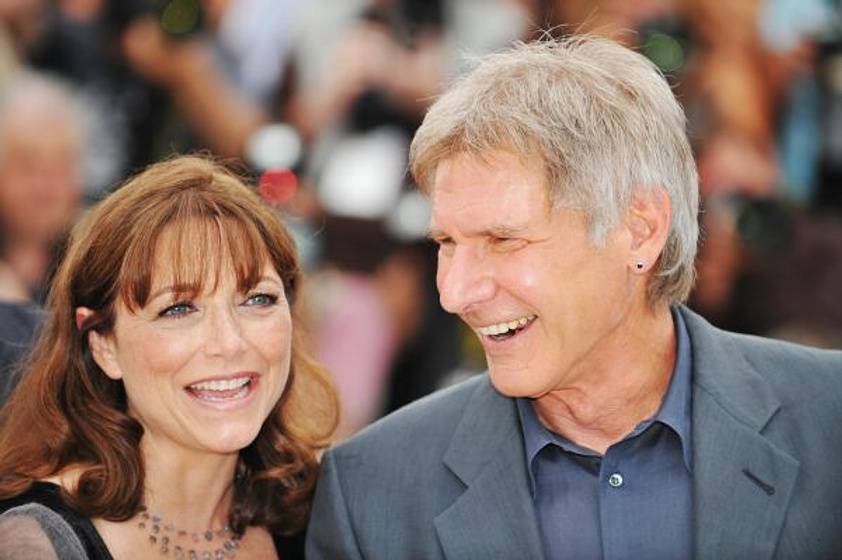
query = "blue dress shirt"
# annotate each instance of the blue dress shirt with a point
(634, 502)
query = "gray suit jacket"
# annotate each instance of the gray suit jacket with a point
(446, 476)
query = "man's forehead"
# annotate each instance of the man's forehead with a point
(501, 161)
(496, 219)
(504, 189)
(502, 169)
(494, 228)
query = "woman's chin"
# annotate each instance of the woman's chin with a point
(231, 440)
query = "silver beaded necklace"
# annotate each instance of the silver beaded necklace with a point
(187, 545)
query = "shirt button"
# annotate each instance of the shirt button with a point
(615, 480)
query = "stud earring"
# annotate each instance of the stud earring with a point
(639, 265)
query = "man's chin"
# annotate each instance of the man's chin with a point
(511, 383)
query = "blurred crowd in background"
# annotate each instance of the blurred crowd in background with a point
(93, 90)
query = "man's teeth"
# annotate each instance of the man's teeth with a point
(220, 385)
(503, 328)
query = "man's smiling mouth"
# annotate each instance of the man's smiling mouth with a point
(507, 329)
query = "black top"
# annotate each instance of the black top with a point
(49, 495)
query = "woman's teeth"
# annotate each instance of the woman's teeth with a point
(221, 390)
(503, 328)
(220, 385)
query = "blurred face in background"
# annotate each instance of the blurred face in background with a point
(40, 170)
(23, 19)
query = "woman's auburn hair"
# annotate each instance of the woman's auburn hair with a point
(65, 413)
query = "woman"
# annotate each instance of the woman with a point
(168, 407)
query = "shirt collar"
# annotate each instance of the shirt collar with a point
(675, 410)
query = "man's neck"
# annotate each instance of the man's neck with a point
(620, 388)
(29, 259)
(12, 289)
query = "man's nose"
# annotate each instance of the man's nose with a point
(464, 279)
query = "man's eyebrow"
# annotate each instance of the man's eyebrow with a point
(503, 230)
(496, 230)
(435, 233)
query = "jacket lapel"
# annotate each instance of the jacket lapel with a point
(494, 517)
(742, 482)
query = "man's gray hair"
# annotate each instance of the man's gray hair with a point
(600, 119)
(43, 90)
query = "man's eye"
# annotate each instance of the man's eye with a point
(507, 243)
(179, 309)
(446, 246)
(262, 300)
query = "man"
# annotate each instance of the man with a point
(41, 176)
(42, 133)
(613, 422)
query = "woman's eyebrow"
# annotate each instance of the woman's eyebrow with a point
(171, 289)
(266, 277)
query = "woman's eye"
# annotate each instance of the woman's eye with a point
(262, 300)
(179, 309)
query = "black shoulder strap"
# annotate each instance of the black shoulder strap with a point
(49, 495)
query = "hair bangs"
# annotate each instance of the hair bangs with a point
(190, 249)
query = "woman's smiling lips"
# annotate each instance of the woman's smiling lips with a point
(224, 392)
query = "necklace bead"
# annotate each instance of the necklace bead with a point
(161, 535)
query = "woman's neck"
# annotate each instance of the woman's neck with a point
(193, 492)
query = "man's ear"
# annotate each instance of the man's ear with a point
(648, 222)
(101, 345)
